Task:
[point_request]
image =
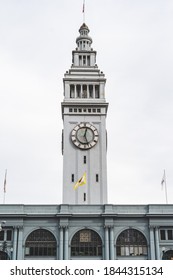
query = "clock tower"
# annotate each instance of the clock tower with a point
(84, 139)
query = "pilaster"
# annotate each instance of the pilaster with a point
(20, 247)
(14, 256)
(106, 243)
(112, 255)
(157, 243)
(61, 242)
(66, 247)
(152, 243)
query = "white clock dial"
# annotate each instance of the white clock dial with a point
(84, 136)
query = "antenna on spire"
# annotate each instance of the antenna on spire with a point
(83, 11)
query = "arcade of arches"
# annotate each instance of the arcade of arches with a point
(86, 242)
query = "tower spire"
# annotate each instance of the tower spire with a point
(84, 111)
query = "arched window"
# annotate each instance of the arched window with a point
(131, 242)
(40, 242)
(168, 255)
(86, 242)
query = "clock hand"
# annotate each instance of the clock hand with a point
(85, 136)
(85, 132)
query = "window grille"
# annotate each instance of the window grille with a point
(86, 243)
(6, 235)
(40, 242)
(131, 242)
(166, 234)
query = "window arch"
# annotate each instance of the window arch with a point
(168, 255)
(40, 242)
(131, 242)
(86, 242)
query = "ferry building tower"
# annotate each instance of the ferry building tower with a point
(84, 137)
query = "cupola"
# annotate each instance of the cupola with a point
(84, 41)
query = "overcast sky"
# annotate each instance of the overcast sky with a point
(134, 44)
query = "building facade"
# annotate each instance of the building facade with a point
(85, 226)
(69, 232)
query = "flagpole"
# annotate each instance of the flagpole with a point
(5, 182)
(83, 11)
(166, 194)
(4, 199)
(163, 183)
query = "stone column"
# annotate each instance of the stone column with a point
(157, 243)
(20, 249)
(14, 243)
(152, 245)
(66, 244)
(102, 95)
(112, 256)
(76, 60)
(61, 237)
(106, 243)
(67, 90)
(115, 252)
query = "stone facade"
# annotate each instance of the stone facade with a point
(112, 224)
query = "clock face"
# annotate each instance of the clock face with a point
(84, 136)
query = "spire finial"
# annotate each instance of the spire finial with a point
(83, 11)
